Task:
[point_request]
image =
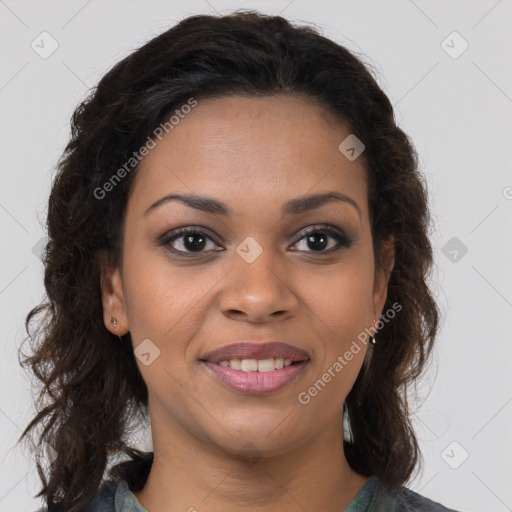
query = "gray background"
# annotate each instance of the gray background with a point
(458, 113)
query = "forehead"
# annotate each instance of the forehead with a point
(249, 151)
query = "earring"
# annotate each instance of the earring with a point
(373, 337)
(113, 321)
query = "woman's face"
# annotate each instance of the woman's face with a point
(263, 268)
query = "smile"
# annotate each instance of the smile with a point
(254, 368)
(256, 382)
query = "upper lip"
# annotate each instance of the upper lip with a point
(248, 349)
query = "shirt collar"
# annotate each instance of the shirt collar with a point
(125, 500)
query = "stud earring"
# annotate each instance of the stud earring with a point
(113, 321)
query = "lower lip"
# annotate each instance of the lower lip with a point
(256, 383)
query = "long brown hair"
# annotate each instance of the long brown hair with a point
(91, 390)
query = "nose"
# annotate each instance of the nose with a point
(258, 292)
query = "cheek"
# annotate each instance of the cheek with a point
(341, 296)
(156, 296)
(160, 308)
(340, 304)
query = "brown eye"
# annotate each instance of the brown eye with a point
(323, 240)
(194, 242)
(188, 241)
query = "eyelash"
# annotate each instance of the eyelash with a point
(342, 239)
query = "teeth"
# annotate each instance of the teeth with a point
(257, 365)
(266, 365)
(249, 365)
(236, 364)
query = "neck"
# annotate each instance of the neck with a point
(194, 475)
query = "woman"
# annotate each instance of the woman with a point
(238, 253)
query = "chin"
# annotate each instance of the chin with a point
(254, 440)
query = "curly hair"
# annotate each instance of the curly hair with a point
(90, 388)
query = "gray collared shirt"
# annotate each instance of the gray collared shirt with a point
(115, 496)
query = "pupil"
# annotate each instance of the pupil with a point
(322, 244)
(194, 246)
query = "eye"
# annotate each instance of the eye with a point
(191, 240)
(188, 241)
(317, 239)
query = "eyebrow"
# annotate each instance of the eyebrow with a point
(292, 207)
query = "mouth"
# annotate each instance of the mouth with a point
(257, 365)
(256, 368)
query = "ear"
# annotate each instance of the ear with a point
(112, 297)
(382, 274)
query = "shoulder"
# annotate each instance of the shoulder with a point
(114, 493)
(104, 500)
(406, 500)
(374, 496)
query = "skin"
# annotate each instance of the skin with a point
(217, 449)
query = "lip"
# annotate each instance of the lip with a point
(248, 349)
(256, 383)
